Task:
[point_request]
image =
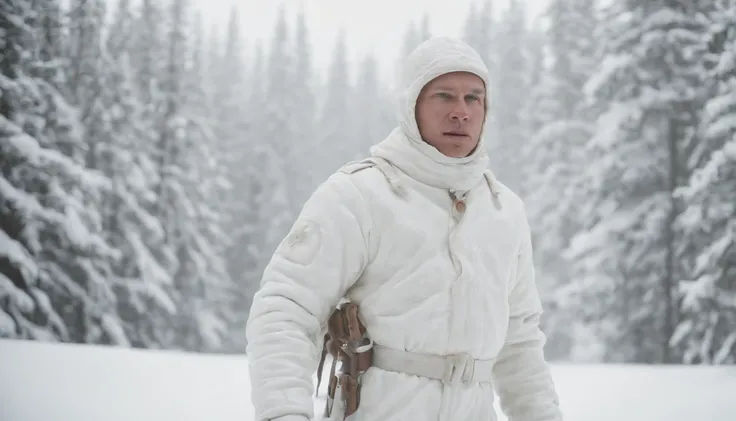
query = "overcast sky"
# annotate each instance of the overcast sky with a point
(375, 25)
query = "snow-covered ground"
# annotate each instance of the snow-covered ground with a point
(54, 382)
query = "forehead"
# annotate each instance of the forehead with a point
(457, 81)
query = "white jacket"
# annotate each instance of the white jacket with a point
(427, 279)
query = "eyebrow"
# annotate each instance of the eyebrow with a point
(477, 91)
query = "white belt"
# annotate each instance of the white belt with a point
(451, 369)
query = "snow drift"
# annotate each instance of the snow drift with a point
(60, 382)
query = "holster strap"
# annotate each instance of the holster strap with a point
(450, 369)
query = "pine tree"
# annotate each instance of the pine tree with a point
(375, 118)
(236, 124)
(249, 249)
(120, 152)
(91, 89)
(306, 170)
(53, 266)
(647, 84)
(272, 149)
(706, 331)
(414, 34)
(212, 295)
(337, 113)
(148, 300)
(191, 226)
(511, 94)
(556, 158)
(480, 32)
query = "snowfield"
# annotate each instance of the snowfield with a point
(61, 382)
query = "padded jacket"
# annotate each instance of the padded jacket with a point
(428, 278)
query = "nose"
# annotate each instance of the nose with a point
(459, 112)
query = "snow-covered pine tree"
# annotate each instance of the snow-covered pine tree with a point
(472, 28)
(707, 330)
(89, 91)
(555, 157)
(208, 297)
(647, 83)
(272, 149)
(120, 152)
(375, 113)
(536, 58)
(414, 34)
(249, 248)
(338, 135)
(235, 111)
(51, 252)
(424, 30)
(480, 32)
(227, 80)
(510, 94)
(180, 202)
(149, 59)
(304, 162)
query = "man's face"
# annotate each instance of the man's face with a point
(450, 113)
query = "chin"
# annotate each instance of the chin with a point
(460, 149)
(457, 152)
(453, 147)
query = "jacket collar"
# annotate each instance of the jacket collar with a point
(426, 164)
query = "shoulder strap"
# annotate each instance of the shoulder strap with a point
(383, 166)
(492, 182)
(495, 187)
(389, 172)
(355, 166)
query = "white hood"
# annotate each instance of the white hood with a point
(404, 147)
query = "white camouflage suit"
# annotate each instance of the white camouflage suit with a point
(429, 279)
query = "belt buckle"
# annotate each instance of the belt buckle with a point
(459, 368)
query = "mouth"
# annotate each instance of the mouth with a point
(456, 134)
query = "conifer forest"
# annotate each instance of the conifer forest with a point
(151, 163)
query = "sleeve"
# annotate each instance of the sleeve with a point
(312, 268)
(521, 376)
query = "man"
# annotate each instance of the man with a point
(435, 252)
